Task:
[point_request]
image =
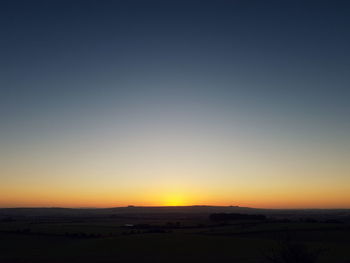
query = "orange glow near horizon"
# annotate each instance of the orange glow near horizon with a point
(172, 198)
(173, 172)
(175, 199)
(114, 104)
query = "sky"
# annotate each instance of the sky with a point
(114, 103)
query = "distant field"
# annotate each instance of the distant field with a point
(166, 238)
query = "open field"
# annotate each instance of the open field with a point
(159, 235)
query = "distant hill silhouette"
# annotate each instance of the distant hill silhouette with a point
(149, 210)
(57, 211)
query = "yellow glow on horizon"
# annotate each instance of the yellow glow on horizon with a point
(175, 200)
(167, 194)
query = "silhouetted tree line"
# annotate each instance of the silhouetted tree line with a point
(148, 226)
(7, 219)
(28, 231)
(234, 216)
(19, 231)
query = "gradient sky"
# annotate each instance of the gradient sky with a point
(111, 103)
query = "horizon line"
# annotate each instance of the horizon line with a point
(166, 206)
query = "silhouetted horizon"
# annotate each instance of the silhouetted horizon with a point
(175, 206)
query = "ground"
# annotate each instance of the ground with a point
(166, 238)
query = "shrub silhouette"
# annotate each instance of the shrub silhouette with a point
(235, 216)
(292, 252)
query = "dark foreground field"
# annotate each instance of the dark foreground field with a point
(179, 234)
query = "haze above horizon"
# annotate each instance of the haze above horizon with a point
(172, 103)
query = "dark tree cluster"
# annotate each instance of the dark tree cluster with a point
(235, 216)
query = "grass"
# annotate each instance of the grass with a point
(47, 242)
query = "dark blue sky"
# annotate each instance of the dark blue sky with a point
(275, 71)
(270, 51)
(280, 57)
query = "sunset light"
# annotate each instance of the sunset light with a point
(175, 200)
(124, 105)
(167, 131)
